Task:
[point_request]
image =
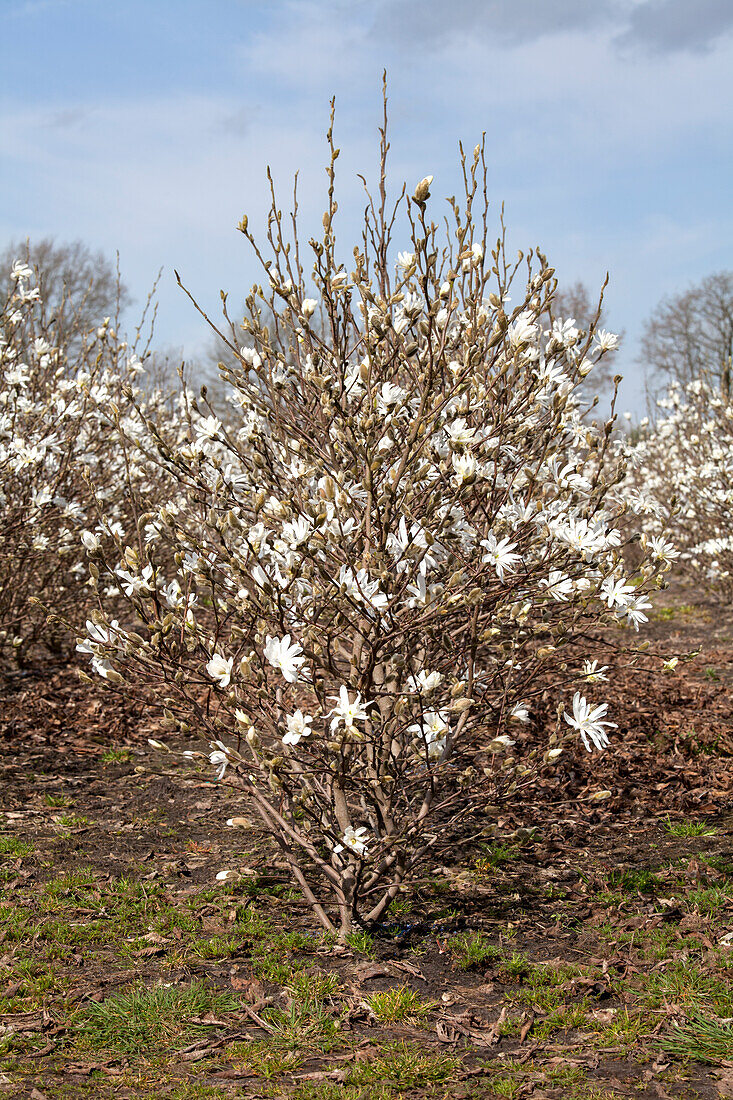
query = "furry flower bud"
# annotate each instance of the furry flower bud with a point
(422, 191)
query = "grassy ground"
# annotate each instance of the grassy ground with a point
(585, 951)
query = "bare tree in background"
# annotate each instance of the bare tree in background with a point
(575, 301)
(690, 335)
(79, 286)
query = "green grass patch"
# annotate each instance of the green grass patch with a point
(332, 1090)
(702, 1038)
(361, 943)
(563, 1018)
(310, 985)
(216, 947)
(57, 800)
(72, 821)
(689, 828)
(515, 967)
(73, 885)
(404, 1067)
(12, 848)
(400, 1004)
(634, 880)
(687, 983)
(472, 950)
(667, 614)
(152, 1020)
(266, 1058)
(311, 1016)
(33, 980)
(494, 856)
(116, 756)
(711, 900)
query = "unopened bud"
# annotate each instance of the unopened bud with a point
(422, 191)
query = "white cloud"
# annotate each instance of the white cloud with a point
(166, 182)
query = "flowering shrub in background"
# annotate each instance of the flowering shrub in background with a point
(372, 563)
(681, 479)
(57, 435)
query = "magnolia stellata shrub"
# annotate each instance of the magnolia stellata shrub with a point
(380, 558)
(57, 434)
(681, 477)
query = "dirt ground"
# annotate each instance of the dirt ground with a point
(584, 950)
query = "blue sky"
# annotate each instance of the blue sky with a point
(146, 126)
